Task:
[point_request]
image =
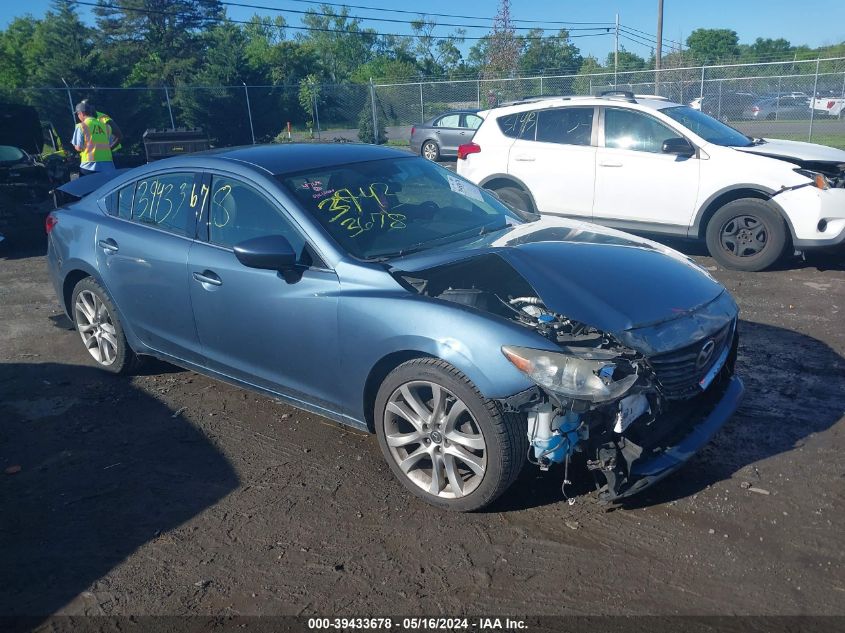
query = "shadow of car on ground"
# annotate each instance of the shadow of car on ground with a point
(94, 468)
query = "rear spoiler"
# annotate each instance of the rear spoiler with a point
(81, 187)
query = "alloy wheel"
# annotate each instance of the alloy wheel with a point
(96, 327)
(430, 151)
(435, 440)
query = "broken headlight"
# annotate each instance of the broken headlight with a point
(820, 181)
(579, 375)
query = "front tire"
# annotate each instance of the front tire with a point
(96, 320)
(443, 440)
(430, 151)
(746, 234)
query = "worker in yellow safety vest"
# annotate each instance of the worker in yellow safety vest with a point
(92, 139)
(116, 134)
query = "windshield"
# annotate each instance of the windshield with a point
(707, 127)
(387, 208)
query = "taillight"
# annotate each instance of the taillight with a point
(467, 149)
(50, 222)
(755, 109)
(413, 129)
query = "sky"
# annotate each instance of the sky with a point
(814, 25)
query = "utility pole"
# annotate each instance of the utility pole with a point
(616, 54)
(658, 57)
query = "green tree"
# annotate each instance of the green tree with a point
(435, 56)
(339, 43)
(503, 47)
(627, 61)
(583, 84)
(365, 124)
(162, 35)
(541, 54)
(713, 45)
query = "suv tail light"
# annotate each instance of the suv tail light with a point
(50, 222)
(467, 149)
(413, 129)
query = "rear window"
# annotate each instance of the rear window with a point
(519, 125)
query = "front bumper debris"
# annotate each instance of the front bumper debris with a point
(648, 470)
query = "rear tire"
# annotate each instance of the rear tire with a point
(430, 151)
(747, 234)
(518, 200)
(95, 318)
(445, 442)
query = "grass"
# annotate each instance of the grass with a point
(831, 140)
(398, 142)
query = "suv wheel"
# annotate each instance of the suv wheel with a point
(746, 234)
(517, 199)
(430, 150)
(443, 440)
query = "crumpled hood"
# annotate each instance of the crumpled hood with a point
(601, 277)
(798, 150)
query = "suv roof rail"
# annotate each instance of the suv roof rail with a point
(625, 94)
(532, 99)
(654, 97)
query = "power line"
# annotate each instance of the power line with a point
(392, 20)
(326, 30)
(437, 15)
(653, 36)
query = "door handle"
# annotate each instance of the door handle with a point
(208, 277)
(108, 245)
(524, 158)
(609, 163)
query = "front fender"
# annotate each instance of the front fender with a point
(469, 340)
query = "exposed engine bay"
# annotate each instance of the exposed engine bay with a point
(630, 406)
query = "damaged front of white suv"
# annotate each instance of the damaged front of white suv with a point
(640, 373)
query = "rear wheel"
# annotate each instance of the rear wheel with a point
(443, 440)
(430, 150)
(516, 199)
(746, 234)
(95, 318)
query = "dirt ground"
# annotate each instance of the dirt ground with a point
(170, 493)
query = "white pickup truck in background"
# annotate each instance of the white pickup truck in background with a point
(833, 106)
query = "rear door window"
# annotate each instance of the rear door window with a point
(566, 126)
(472, 121)
(124, 202)
(164, 201)
(450, 120)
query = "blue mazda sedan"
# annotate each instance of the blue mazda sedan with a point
(382, 291)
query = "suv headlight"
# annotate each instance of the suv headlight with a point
(579, 375)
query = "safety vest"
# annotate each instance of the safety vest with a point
(105, 118)
(96, 138)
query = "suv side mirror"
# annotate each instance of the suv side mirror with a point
(268, 252)
(678, 146)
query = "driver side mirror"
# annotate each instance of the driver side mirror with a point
(678, 146)
(268, 252)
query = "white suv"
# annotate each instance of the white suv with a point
(649, 165)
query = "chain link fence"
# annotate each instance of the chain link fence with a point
(801, 100)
